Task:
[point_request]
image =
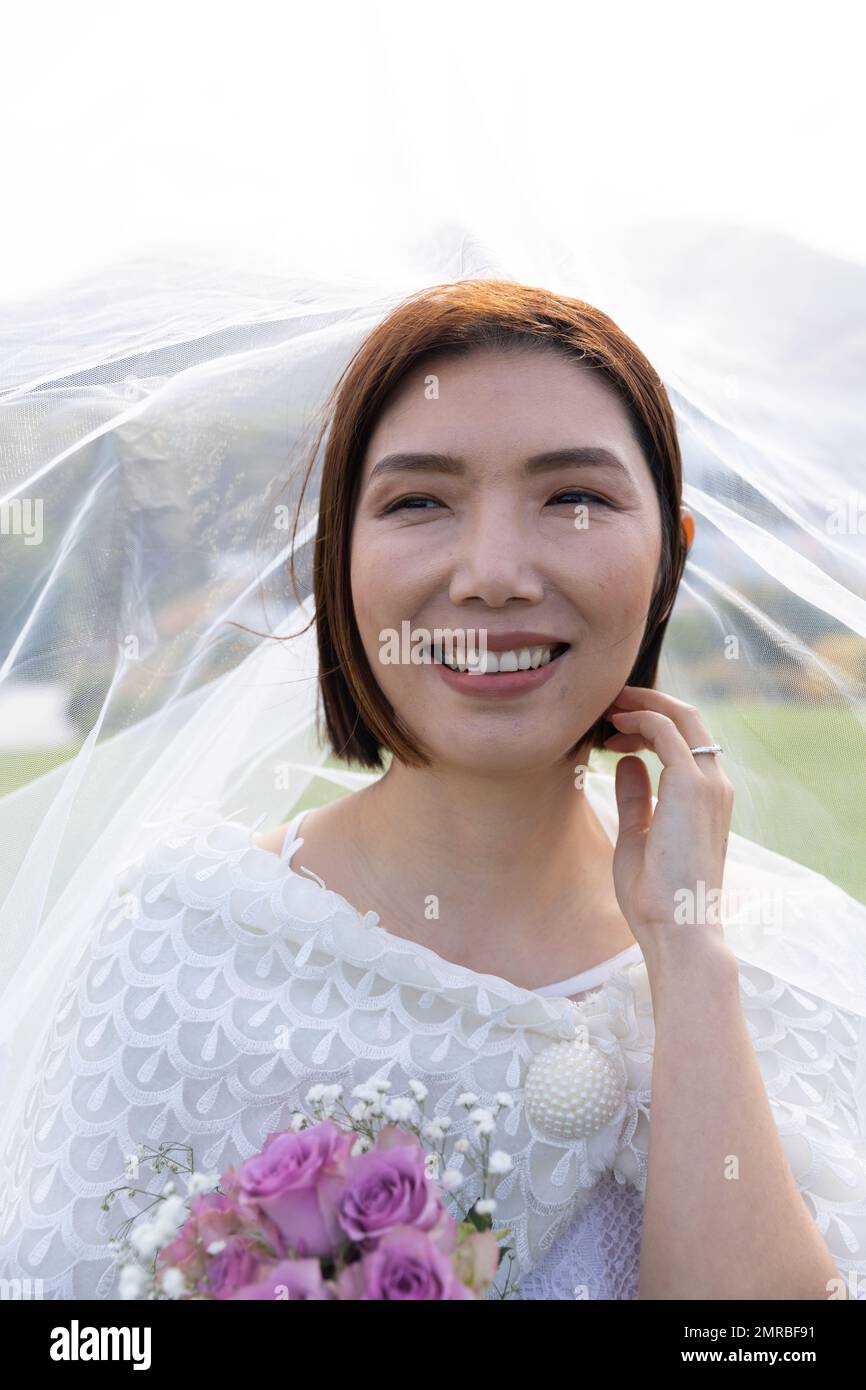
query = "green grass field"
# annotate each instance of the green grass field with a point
(16, 769)
(762, 737)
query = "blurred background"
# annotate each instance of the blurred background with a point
(173, 177)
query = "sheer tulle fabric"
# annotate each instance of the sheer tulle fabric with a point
(156, 449)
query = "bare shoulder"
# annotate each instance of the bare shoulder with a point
(273, 840)
(323, 830)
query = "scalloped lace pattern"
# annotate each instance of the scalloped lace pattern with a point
(218, 985)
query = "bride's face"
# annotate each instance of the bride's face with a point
(502, 542)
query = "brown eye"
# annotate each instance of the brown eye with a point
(406, 501)
(567, 497)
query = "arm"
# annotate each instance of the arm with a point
(723, 1216)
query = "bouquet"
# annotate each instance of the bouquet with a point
(344, 1204)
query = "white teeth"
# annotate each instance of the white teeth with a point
(522, 659)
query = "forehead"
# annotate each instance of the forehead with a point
(519, 401)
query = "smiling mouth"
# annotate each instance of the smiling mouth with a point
(508, 662)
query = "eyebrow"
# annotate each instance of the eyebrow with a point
(583, 456)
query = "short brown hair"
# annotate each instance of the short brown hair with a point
(456, 319)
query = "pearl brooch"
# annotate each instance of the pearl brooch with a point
(571, 1091)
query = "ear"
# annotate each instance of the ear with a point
(688, 523)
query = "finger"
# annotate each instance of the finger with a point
(660, 734)
(686, 718)
(634, 807)
(624, 743)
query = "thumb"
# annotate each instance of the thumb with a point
(633, 799)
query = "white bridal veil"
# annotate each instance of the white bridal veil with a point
(153, 426)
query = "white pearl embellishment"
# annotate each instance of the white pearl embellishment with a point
(571, 1091)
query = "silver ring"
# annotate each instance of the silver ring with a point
(707, 748)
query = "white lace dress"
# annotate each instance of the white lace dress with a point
(218, 983)
(599, 1254)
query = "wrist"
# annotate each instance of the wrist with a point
(689, 955)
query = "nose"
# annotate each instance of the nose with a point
(495, 561)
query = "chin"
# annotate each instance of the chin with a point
(501, 752)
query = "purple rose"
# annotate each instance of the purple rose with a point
(296, 1182)
(290, 1279)
(235, 1265)
(405, 1265)
(388, 1188)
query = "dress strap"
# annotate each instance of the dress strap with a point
(291, 833)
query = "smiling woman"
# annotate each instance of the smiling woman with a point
(487, 921)
(519, 368)
(505, 461)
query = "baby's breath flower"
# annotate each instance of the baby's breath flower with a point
(500, 1161)
(467, 1098)
(361, 1145)
(215, 1247)
(201, 1182)
(461, 1146)
(400, 1108)
(170, 1215)
(380, 1084)
(486, 1206)
(299, 1120)
(504, 1098)
(365, 1091)
(444, 1121)
(433, 1129)
(133, 1281)
(146, 1238)
(315, 1093)
(418, 1089)
(359, 1111)
(483, 1120)
(451, 1179)
(173, 1283)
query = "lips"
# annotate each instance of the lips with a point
(521, 637)
(508, 682)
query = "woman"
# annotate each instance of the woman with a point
(502, 461)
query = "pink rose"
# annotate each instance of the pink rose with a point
(213, 1217)
(235, 1265)
(296, 1182)
(405, 1265)
(388, 1188)
(290, 1279)
(477, 1259)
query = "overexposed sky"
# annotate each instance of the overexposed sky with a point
(322, 131)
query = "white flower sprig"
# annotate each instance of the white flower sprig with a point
(372, 1110)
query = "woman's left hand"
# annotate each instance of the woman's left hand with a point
(663, 855)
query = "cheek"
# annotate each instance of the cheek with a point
(620, 572)
(391, 576)
(383, 585)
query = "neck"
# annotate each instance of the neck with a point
(509, 876)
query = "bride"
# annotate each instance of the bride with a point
(502, 461)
